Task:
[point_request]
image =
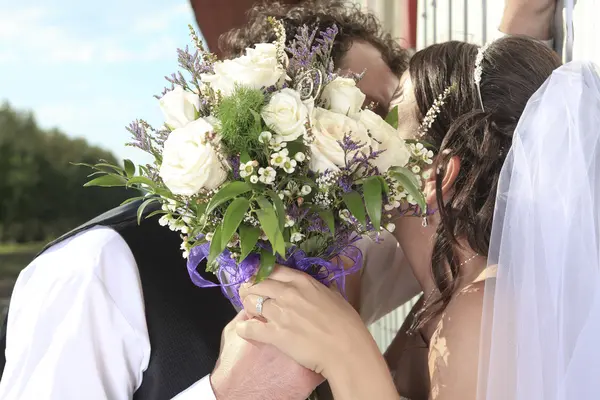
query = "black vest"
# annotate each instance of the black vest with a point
(184, 321)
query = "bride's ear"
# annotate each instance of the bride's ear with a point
(450, 171)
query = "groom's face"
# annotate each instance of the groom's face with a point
(379, 83)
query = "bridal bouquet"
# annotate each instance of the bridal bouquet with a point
(270, 158)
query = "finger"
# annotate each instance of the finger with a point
(230, 327)
(285, 274)
(270, 310)
(255, 330)
(267, 288)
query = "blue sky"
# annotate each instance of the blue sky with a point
(89, 68)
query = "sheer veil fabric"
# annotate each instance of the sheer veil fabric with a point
(541, 322)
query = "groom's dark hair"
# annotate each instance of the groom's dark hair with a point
(353, 24)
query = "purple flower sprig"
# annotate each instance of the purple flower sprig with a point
(302, 56)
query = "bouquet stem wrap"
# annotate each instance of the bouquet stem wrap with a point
(232, 275)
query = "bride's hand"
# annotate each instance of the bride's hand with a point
(306, 320)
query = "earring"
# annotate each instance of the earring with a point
(425, 222)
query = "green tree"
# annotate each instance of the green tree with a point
(41, 192)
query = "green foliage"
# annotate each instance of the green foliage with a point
(373, 200)
(354, 202)
(41, 192)
(407, 179)
(241, 122)
(392, 118)
(233, 218)
(267, 264)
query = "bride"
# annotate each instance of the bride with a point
(538, 301)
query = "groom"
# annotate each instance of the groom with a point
(108, 311)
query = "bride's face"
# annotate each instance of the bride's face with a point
(404, 98)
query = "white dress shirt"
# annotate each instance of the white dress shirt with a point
(77, 327)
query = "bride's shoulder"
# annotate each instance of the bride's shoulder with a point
(454, 348)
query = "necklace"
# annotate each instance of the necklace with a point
(414, 323)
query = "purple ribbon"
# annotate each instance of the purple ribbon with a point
(232, 275)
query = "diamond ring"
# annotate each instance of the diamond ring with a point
(259, 304)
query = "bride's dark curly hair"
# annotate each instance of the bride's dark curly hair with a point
(353, 24)
(514, 68)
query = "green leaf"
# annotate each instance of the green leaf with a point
(384, 184)
(248, 237)
(407, 179)
(279, 208)
(108, 166)
(392, 118)
(267, 264)
(142, 207)
(270, 224)
(141, 180)
(107, 181)
(233, 218)
(373, 200)
(356, 207)
(216, 246)
(327, 216)
(228, 192)
(129, 168)
(244, 157)
(131, 200)
(157, 212)
(257, 120)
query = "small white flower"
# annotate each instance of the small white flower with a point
(263, 236)
(345, 215)
(164, 220)
(277, 159)
(254, 179)
(305, 190)
(281, 196)
(416, 169)
(267, 175)
(289, 221)
(289, 166)
(209, 236)
(300, 157)
(426, 174)
(276, 143)
(287, 193)
(296, 237)
(390, 227)
(246, 169)
(187, 220)
(265, 137)
(388, 207)
(411, 200)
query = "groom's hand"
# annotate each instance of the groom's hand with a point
(252, 371)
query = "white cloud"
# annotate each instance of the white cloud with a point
(162, 20)
(29, 33)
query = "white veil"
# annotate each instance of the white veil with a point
(541, 322)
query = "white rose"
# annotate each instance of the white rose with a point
(385, 137)
(257, 69)
(342, 96)
(286, 114)
(329, 128)
(190, 162)
(180, 107)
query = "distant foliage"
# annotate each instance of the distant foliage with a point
(41, 192)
